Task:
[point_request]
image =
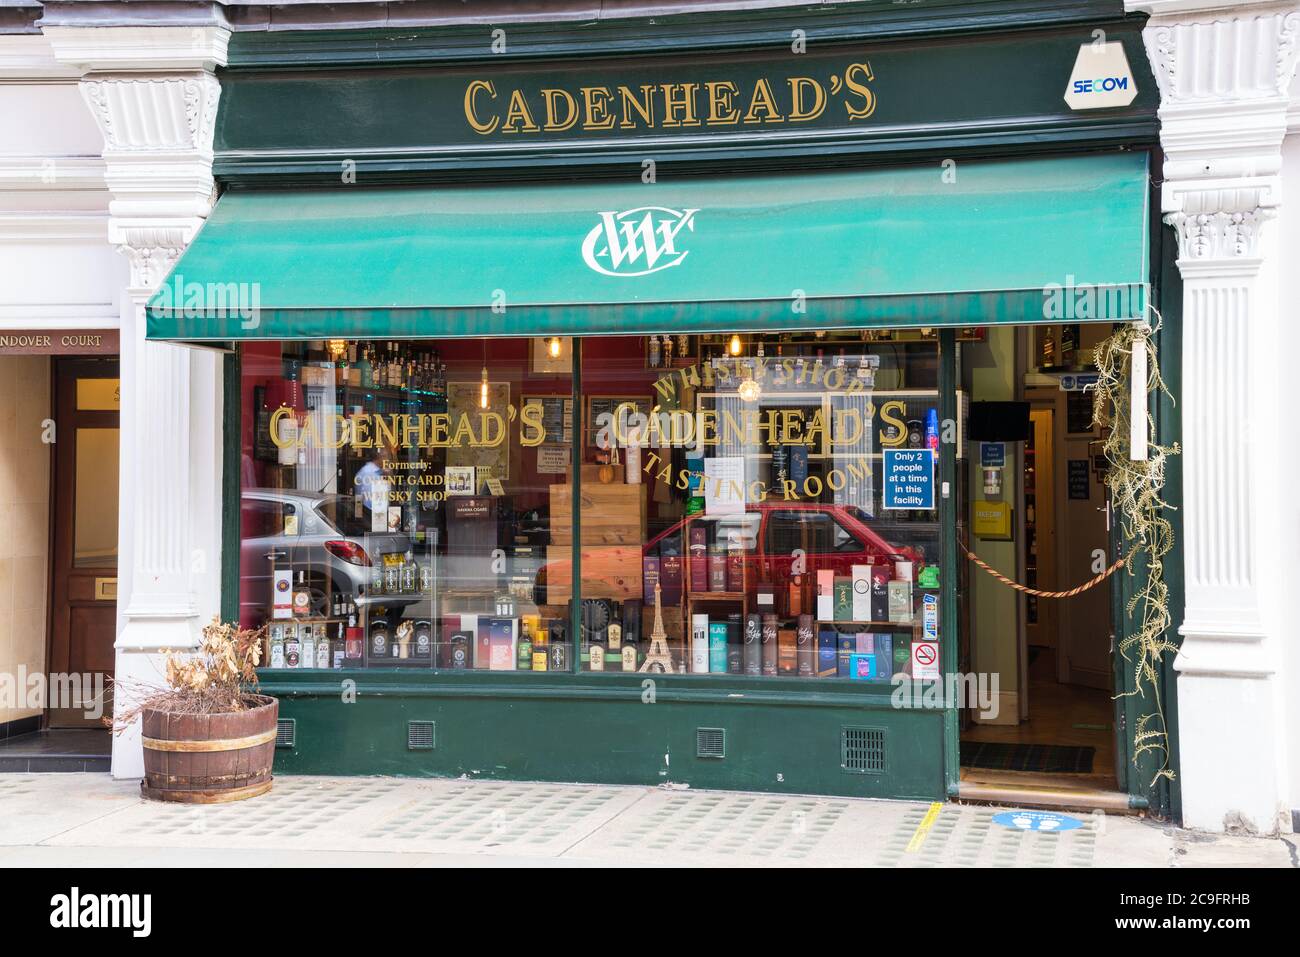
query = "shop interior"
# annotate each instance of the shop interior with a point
(1038, 513)
(408, 504)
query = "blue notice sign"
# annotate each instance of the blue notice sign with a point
(909, 479)
(1037, 821)
(993, 455)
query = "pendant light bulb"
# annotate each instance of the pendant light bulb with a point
(554, 346)
(734, 346)
(483, 390)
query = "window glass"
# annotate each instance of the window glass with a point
(95, 495)
(746, 476)
(412, 504)
(398, 499)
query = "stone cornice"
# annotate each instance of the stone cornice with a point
(1222, 58)
(136, 48)
(1225, 72)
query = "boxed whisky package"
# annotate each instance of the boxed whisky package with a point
(752, 657)
(735, 566)
(700, 644)
(699, 549)
(717, 647)
(900, 601)
(902, 655)
(826, 653)
(794, 597)
(807, 647)
(670, 570)
(450, 625)
(843, 599)
(501, 644)
(825, 594)
(862, 593)
(787, 651)
(846, 648)
(650, 577)
(879, 593)
(769, 645)
(862, 667)
(885, 655)
(735, 644)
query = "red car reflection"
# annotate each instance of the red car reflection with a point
(775, 535)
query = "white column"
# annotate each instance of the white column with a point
(1223, 69)
(154, 95)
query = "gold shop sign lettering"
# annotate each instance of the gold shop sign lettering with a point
(707, 427)
(495, 107)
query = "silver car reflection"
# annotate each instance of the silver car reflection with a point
(317, 535)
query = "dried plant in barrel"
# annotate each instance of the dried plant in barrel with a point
(208, 736)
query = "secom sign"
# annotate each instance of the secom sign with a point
(1101, 78)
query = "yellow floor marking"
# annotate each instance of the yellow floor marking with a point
(923, 829)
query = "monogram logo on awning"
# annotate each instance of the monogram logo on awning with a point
(637, 242)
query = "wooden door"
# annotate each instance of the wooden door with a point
(83, 508)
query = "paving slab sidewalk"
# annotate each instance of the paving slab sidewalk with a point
(58, 820)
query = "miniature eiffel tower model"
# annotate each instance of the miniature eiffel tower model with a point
(658, 655)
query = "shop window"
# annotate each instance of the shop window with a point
(745, 475)
(396, 504)
(412, 504)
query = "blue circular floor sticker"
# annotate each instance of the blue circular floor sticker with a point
(1036, 821)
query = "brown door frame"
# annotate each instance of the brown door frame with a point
(64, 373)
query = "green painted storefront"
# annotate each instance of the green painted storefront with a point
(317, 130)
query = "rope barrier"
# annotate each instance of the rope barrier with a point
(1092, 583)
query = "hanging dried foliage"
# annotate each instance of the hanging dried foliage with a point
(1136, 491)
(217, 677)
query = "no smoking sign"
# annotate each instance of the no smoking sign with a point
(925, 660)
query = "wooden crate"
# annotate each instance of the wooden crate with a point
(608, 571)
(613, 514)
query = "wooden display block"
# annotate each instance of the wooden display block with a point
(608, 571)
(613, 514)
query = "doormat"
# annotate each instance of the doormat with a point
(1043, 758)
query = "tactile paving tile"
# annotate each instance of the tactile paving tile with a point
(293, 812)
(715, 826)
(964, 836)
(37, 807)
(292, 808)
(483, 815)
(375, 814)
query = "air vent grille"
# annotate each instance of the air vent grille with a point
(286, 733)
(710, 743)
(862, 750)
(419, 735)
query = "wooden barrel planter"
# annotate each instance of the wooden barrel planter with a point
(209, 758)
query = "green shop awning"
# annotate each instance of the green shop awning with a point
(1034, 240)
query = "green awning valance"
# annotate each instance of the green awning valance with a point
(1037, 240)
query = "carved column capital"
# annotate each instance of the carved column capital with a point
(1189, 51)
(151, 249)
(1224, 69)
(153, 93)
(1219, 237)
